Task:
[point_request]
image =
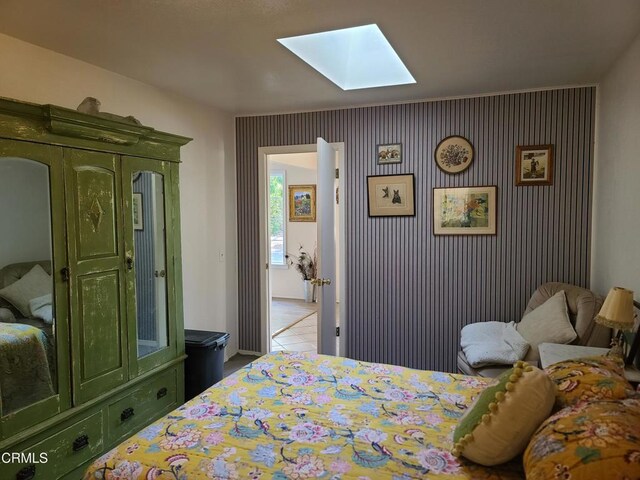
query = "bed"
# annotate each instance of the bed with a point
(296, 416)
(25, 377)
(27, 342)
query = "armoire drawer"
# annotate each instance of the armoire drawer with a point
(142, 405)
(64, 451)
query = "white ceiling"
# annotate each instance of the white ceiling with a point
(224, 52)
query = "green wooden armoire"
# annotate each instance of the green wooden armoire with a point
(91, 317)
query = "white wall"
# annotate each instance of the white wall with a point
(616, 200)
(25, 217)
(34, 74)
(300, 169)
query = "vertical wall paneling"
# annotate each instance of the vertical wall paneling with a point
(409, 291)
(145, 261)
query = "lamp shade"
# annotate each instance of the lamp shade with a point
(617, 309)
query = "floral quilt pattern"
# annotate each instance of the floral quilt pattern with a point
(300, 416)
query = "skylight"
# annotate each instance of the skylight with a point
(352, 58)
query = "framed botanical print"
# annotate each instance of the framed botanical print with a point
(464, 211)
(302, 203)
(391, 195)
(454, 154)
(534, 165)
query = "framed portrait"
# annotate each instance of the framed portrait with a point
(534, 165)
(391, 195)
(464, 211)
(138, 222)
(302, 203)
(454, 154)
(389, 153)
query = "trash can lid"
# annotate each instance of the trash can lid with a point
(204, 339)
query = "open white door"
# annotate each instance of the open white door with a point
(325, 283)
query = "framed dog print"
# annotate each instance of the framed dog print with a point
(391, 195)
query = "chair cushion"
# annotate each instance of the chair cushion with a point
(6, 315)
(549, 323)
(583, 305)
(34, 284)
(500, 422)
(15, 271)
(587, 441)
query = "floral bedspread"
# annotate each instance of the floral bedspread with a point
(297, 416)
(24, 369)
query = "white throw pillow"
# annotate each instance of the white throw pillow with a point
(549, 323)
(42, 308)
(492, 343)
(34, 284)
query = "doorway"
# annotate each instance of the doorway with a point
(290, 310)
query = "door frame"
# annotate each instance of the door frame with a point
(263, 198)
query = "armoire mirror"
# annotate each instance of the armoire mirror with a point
(150, 261)
(27, 311)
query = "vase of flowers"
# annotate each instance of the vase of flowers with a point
(306, 264)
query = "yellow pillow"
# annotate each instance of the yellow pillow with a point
(587, 441)
(589, 378)
(501, 420)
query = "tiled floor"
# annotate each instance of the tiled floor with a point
(287, 311)
(302, 337)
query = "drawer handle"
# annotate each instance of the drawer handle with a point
(27, 473)
(161, 393)
(126, 414)
(80, 442)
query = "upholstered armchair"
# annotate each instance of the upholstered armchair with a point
(583, 305)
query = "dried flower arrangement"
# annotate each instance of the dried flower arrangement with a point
(305, 263)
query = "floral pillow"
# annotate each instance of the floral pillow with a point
(590, 378)
(500, 422)
(587, 441)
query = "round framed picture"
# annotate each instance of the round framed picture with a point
(454, 154)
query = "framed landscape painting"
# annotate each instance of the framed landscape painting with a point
(464, 211)
(391, 195)
(302, 203)
(534, 165)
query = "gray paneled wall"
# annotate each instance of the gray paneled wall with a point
(410, 292)
(145, 261)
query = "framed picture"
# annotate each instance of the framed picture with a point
(534, 165)
(391, 195)
(464, 211)
(454, 154)
(389, 153)
(138, 223)
(302, 203)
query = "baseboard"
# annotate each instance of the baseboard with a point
(249, 352)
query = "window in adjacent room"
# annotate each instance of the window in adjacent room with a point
(277, 219)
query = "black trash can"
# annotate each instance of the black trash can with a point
(205, 360)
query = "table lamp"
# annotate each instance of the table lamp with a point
(617, 313)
